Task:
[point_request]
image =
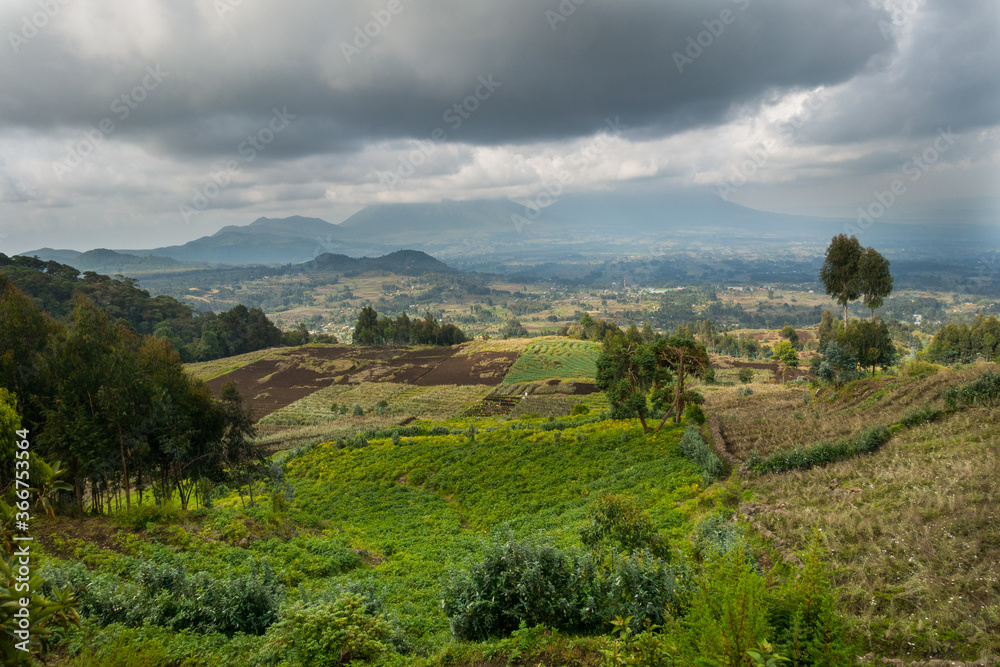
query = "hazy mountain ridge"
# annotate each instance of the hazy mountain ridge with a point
(588, 223)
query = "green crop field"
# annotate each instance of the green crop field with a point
(438, 402)
(555, 359)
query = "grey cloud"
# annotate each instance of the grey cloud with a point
(604, 59)
(947, 75)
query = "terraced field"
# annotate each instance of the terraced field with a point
(555, 358)
(437, 402)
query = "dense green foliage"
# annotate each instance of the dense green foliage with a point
(330, 633)
(535, 583)
(168, 596)
(620, 522)
(701, 454)
(849, 350)
(115, 407)
(197, 336)
(963, 343)
(983, 391)
(372, 330)
(801, 458)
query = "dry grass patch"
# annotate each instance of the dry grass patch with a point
(914, 535)
(778, 417)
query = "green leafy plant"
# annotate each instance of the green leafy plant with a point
(619, 521)
(698, 452)
(330, 633)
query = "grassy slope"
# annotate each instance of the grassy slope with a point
(913, 529)
(428, 499)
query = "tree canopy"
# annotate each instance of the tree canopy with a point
(850, 272)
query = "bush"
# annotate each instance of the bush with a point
(694, 413)
(535, 583)
(983, 391)
(698, 452)
(745, 375)
(802, 458)
(170, 597)
(621, 522)
(579, 409)
(330, 633)
(924, 415)
(358, 410)
(916, 368)
(139, 517)
(714, 536)
(744, 391)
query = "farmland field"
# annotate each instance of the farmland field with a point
(436, 402)
(555, 358)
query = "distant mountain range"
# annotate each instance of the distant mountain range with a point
(543, 228)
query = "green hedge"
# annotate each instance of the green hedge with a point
(698, 452)
(802, 458)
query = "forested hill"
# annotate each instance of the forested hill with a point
(402, 262)
(54, 288)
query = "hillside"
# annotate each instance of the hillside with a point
(401, 262)
(404, 468)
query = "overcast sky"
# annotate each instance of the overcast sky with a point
(153, 122)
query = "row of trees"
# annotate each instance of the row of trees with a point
(117, 407)
(964, 343)
(373, 330)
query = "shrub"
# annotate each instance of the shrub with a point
(803, 614)
(916, 368)
(139, 517)
(330, 633)
(579, 409)
(694, 413)
(924, 415)
(714, 535)
(358, 410)
(621, 522)
(744, 391)
(170, 597)
(985, 391)
(802, 458)
(728, 614)
(745, 375)
(698, 452)
(535, 583)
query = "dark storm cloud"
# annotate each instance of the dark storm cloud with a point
(561, 67)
